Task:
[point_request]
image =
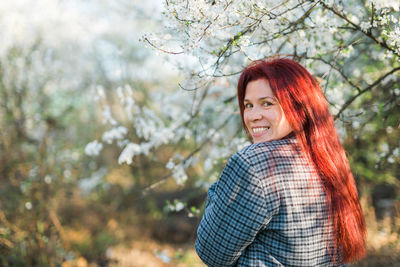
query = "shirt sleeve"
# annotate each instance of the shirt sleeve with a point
(237, 209)
(210, 193)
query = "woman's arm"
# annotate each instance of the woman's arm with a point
(210, 193)
(235, 213)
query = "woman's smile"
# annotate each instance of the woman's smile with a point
(258, 131)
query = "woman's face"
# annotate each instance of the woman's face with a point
(263, 116)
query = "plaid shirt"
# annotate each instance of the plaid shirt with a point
(267, 209)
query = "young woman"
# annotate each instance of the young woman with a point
(289, 199)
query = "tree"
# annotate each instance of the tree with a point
(352, 47)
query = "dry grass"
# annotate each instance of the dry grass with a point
(148, 253)
(383, 239)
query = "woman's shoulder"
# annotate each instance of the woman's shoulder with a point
(287, 146)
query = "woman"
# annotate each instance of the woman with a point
(289, 199)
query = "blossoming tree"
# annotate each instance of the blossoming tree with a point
(352, 47)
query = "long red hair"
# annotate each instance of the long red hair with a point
(306, 109)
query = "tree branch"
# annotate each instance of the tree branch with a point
(351, 99)
(369, 33)
(162, 50)
(338, 69)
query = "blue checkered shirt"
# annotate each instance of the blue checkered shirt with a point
(267, 209)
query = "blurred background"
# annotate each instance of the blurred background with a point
(105, 162)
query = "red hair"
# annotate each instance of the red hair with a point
(306, 110)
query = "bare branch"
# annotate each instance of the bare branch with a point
(162, 50)
(351, 99)
(338, 69)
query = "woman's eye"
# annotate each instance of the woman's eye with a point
(248, 105)
(267, 104)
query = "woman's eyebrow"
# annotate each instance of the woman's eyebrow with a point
(267, 97)
(262, 98)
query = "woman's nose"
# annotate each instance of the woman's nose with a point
(255, 114)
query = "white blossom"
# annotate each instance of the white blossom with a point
(28, 205)
(391, 159)
(394, 38)
(128, 153)
(100, 92)
(179, 174)
(116, 133)
(179, 206)
(356, 124)
(47, 179)
(93, 148)
(170, 165)
(379, 4)
(89, 183)
(176, 206)
(365, 26)
(107, 116)
(384, 148)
